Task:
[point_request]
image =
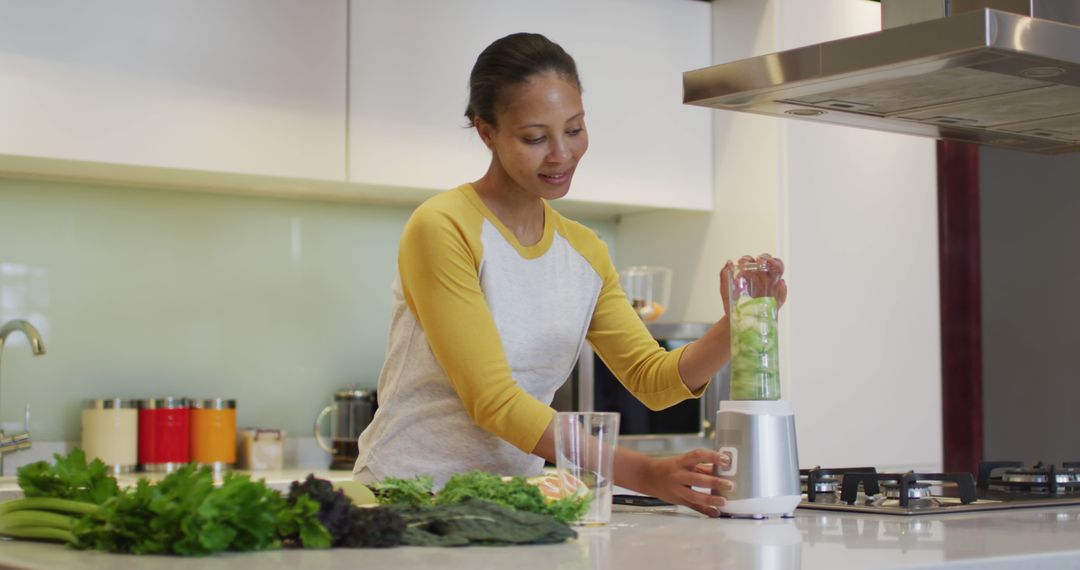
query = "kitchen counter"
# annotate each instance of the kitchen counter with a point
(679, 538)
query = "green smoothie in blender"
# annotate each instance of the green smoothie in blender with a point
(755, 355)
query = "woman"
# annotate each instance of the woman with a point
(496, 291)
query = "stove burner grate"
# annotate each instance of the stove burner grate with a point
(905, 487)
(1038, 478)
(916, 490)
(824, 482)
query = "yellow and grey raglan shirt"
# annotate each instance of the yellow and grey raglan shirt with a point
(484, 330)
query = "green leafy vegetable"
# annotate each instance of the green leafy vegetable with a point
(514, 492)
(476, 521)
(395, 490)
(348, 524)
(186, 514)
(71, 477)
(377, 527)
(333, 506)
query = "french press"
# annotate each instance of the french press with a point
(350, 414)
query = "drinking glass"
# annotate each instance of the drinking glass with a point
(585, 460)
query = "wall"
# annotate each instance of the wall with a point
(853, 214)
(143, 293)
(1028, 207)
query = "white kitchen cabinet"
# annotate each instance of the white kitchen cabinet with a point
(238, 86)
(409, 67)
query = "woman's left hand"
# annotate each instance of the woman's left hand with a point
(774, 269)
(676, 480)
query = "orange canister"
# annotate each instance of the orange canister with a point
(213, 433)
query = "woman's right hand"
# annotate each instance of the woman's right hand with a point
(677, 480)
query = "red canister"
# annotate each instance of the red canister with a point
(164, 434)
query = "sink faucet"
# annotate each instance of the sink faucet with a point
(19, 441)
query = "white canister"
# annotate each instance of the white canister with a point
(110, 432)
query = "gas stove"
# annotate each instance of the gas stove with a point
(998, 485)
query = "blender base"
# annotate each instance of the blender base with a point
(761, 507)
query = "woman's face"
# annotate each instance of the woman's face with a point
(540, 135)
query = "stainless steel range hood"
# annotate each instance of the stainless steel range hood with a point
(1003, 73)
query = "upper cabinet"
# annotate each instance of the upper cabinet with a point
(243, 86)
(409, 67)
(339, 99)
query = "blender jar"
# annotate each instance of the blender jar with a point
(755, 355)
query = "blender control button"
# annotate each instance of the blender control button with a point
(733, 456)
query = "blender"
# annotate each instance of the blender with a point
(754, 426)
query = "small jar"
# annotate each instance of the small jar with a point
(110, 432)
(262, 449)
(213, 433)
(164, 434)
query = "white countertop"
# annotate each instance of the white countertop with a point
(663, 539)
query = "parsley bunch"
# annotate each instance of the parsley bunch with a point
(71, 477)
(186, 514)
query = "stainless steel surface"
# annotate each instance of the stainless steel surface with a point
(867, 490)
(981, 75)
(16, 442)
(895, 14)
(1027, 478)
(949, 505)
(214, 404)
(37, 345)
(168, 403)
(916, 491)
(826, 486)
(766, 462)
(110, 404)
(167, 467)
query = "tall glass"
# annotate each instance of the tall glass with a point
(755, 355)
(585, 444)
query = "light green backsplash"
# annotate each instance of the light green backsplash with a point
(144, 293)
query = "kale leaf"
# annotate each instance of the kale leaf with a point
(397, 490)
(515, 492)
(348, 524)
(476, 521)
(333, 506)
(378, 527)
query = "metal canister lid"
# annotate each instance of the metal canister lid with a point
(215, 404)
(168, 403)
(109, 404)
(349, 395)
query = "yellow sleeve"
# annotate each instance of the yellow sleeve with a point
(625, 345)
(439, 261)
